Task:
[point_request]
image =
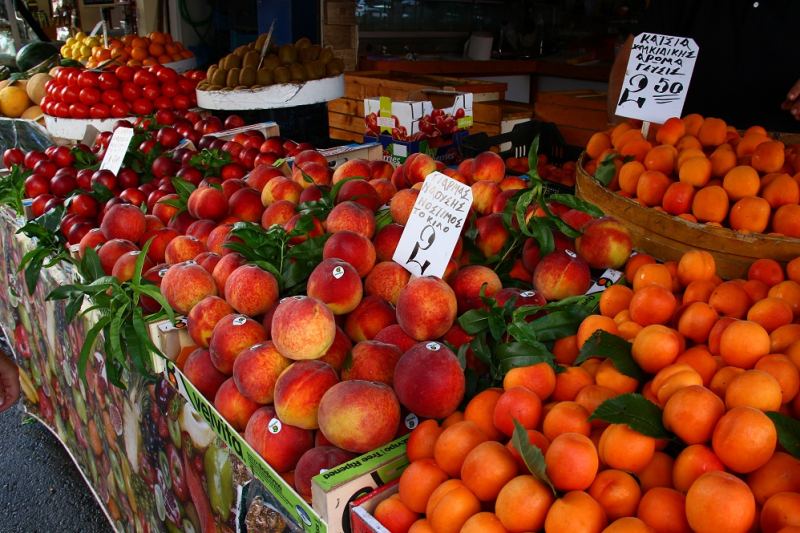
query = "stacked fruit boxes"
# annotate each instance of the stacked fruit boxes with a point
(339, 31)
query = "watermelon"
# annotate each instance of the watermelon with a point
(33, 54)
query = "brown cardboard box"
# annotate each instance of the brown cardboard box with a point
(340, 13)
(340, 37)
(349, 56)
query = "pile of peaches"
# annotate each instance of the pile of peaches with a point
(702, 170)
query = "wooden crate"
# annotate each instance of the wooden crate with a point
(346, 115)
(667, 237)
(578, 114)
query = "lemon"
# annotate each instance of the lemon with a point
(91, 41)
(14, 101)
(80, 36)
(86, 51)
(66, 51)
(70, 41)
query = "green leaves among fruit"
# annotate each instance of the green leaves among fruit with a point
(12, 188)
(635, 411)
(614, 347)
(210, 161)
(50, 246)
(532, 455)
(788, 432)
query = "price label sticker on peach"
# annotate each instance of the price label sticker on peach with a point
(657, 77)
(436, 221)
(117, 148)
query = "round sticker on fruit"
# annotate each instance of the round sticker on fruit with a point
(338, 272)
(571, 253)
(283, 300)
(274, 426)
(239, 320)
(190, 262)
(298, 297)
(412, 421)
(433, 346)
(528, 294)
(135, 253)
(162, 272)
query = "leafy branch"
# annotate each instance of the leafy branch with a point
(12, 188)
(322, 207)
(183, 189)
(50, 248)
(210, 161)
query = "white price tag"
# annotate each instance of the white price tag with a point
(657, 77)
(116, 150)
(433, 228)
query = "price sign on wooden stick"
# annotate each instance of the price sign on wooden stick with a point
(657, 77)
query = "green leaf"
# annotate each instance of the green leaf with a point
(558, 324)
(88, 346)
(606, 170)
(461, 354)
(637, 412)
(540, 230)
(32, 276)
(383, 219)
(182, 188)
(604, 344)
(114, 334)
(136, 349)
(91, 268)
(101, 192)
(474, 320)
(470, 387)
(348, 361)
(143, 333)
(788, 432)
(533, 154)
(573, 202)
(480, 350)
(532, 455)
(139, 265)
(516, 354)
(72, 309)
(522, 331)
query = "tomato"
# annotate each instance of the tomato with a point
(124, 73)
(162, 102)
(100, 111)
(70, 94)
(111, 97)
(151, 91)
(107, 81)
(120, 109)
(61, 110)
(87, 78)
(72, 79)
(56, 96)
(181, 101)
(186, 86)
(89, 95)
(142, 106)
(192, 99)
(131, 91)
(166, 75)
(170, 89)
(50, 86)
(61, 75)
(44, 105)
(144, 77)
(79, 110)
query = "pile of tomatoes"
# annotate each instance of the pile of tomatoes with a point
(121, 92)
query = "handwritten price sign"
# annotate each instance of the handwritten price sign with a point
(433, 228)
(657, 77)
(117, 148)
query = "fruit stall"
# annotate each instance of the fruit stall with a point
(233, 329)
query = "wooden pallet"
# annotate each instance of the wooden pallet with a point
(578, 114)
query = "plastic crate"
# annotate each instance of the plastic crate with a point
(305, 123)
(551, 143)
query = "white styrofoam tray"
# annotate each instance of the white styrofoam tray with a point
(274, 96)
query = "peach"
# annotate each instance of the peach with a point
(372, 361)
(233, 406)
(231, 336)
(380, 169)
(183, 248)
(355, 168)
(158, 246)
(277, 213)
(299, 389)
(315, 231)
(530, 255)
(111, 251)
(204, 316)
(256, 370)
(280, 445)
(203, 374)
(185, 285)
(124, 221)
(310, 173)
(224, 268)
(251, 290)
(484, 194)
(280, 188)
(402, 205)
(360, 192)
(208, 203)
(216, 238)
(458, 337)
(395, 335)
(351, 247)
(339, 350)
(351, 216)
(605, 243)
(384, 189)
(372, 315)
(387, 280)
(426, 308)
(310, 155)
(96, 237)
(561, 274)
(201, 229)
(314, 462)
(260, 176)
(359, 416)
(576, 219)
(467, 285)
(398, 179)
(429, 381)
(245, 204)
(492, 234)
(465, 169)
(385, 241)
(417, 168)
(502, 199)
(125, 266)
(208, 260)
(487, 166)
(337, 284)
(303, 328)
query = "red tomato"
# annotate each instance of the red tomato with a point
(87, 78)
(44, 105)
(144, 77)
(170, 89)
(162, 102)
(56, 96)
(72, 79)
(124, 73)
(151, 91)
(100, 111)
(89, 95)
(142, 106)
(131, 91)
(50, 86)
(181, 101)
(79, 110)
(120, 109)
(187, 86)
(107, 80)
(111, 96)
(61, 75)
(70, 94)
(166, 75)
(61, 110)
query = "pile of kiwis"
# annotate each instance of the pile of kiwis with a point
(290, 63)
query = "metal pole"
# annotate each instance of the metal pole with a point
(13, 21)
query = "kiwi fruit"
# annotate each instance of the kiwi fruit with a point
(314, 70)
(202, 86)
(226, 89)
(233, 77)
(256, 87)
(219, 78)
(281, 75)
(210, 72)
(215, 88)
(233, 61)
(247, 76)
(325, 55)
(303, 55)
(335, 67)
(298, 72)
(261, 41)
(264, 77)
(241, 51)
(287, 54)
(251, 59)
(221, 63)
(313, 52)
(271, 62)
(303, 42)
(240, 87)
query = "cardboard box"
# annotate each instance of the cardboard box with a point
(340, 13)
(340, 37)
(169, 338)
(361, 510)
(268, 129)
(446, 150)
(349, 56)
(426, 114)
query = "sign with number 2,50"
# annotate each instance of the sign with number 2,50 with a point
(657, 77)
